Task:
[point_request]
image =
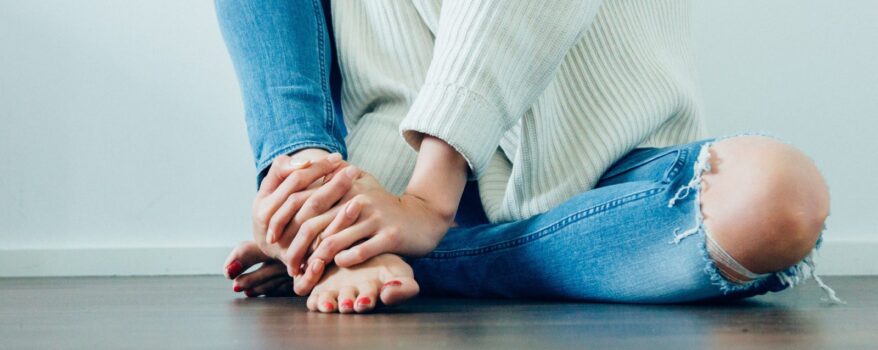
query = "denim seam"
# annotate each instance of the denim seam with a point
(546, 231)
(329, 117)
(682, 158)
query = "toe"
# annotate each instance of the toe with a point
(399, 289)
(269, 286)
(367, 298)
(304, 284)
(326, 301)
(346, 297)
(312, 302)
(242, 258)
(268, 272)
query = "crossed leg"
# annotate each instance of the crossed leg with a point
(764, 203)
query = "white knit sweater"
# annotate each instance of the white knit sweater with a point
(540, 97)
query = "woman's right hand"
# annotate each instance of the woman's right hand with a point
(297, 175)
(296, 189)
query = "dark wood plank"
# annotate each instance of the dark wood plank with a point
(202, 312)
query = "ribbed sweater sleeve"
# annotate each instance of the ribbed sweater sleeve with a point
(491, 61)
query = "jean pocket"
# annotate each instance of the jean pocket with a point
(645, 164)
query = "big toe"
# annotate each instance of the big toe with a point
(242, 258)
(398, 289)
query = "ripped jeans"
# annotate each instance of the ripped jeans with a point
(636, 237)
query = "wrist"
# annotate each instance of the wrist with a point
(439, 177)
(439, 211)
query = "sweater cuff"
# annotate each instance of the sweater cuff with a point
(460, 117)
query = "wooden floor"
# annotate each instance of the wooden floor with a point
(202, 312)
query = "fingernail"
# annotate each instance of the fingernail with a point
(234, 269)
(237, 289)
(334, 157)
(249, 293)
(351, 172)
(269, 236)
(346, 254)
(299, 164)
(351, 209)
(347, 304)
(364, 301)
(328, 306)
(393, 284)
(317, 266)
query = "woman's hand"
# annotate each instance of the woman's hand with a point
(371, 223)
(293, 183)
(312, 164)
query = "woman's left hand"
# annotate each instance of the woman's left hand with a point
(373, 222)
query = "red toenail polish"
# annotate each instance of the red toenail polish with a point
(250, 293)
(234, 269)
(364, 301)
(237, 289)
(347, 304)
(393, 284)
(329, 306)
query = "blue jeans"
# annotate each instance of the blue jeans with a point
(636, 237)
(283, 56)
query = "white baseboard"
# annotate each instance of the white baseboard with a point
(113, 261)
(834, 258)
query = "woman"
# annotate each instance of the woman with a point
(547, 150)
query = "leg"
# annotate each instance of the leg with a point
(619, 243)
(764, 203)
(282, 54)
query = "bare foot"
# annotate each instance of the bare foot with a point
(358, 288)
(270, 279)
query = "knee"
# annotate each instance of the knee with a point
(764, 202)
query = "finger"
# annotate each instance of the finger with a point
(346, 239)
(245, 255)
(326, 196)
(299, 180)
(376, 245)
(284, 214)
(335, 172)
(309, 278)
(303, 239)
(302, 285)
(268, 271)
(280, 168)
(344, 218)
(304, 177)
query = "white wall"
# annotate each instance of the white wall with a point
(123, 148)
